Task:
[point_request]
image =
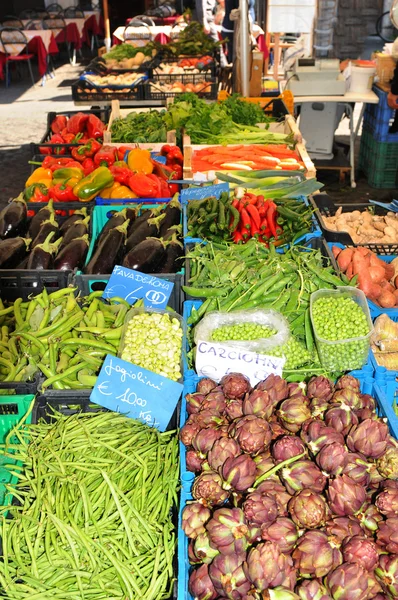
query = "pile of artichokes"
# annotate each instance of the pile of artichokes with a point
(295, 494)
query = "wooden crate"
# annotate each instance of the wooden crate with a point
(288, 125)
(117, 113)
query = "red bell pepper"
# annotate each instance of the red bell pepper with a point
(165, 189)
(174, 188)
(144, 186)
(88, 166)
(58, 139)
(86, 151)
(51, 162)
(121, 151)
(165, 149)
(77, 123)
(95, 127)
(174, 156)
(59, 123)
(37, 192)
(62, 192)
(106, 156)
(121, 174)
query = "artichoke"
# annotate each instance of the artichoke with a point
(367, 401)
(205, 386)
(316, 555)
(208, 418)
(331, 459)
(320, 387)
(194, 402)
(194, 518)
(264, 462)
(302, 474)
(322, 436)
(194, 461)
(276, 387)
(258, 403)
(361, 551)
(204, 440)
(287, 447)
(235, 386)
(312, 590)
(347, 398)
(200, 585)
(387, 463)
(278, 593)
(346, 497)
(228, 530)
(357, 468)
(188, 432)
(348, 381)
(266, 567)
(369, 518)
(252, 434)
(239, 472)
(293, 412)
(208, 488)
(228, 577)
(276, 490)
(348, 582)
(341, 419)
(203, 550)
(277, 428)
(260, 509)
(214, 401)
(340, 528)
(365, 413)
(191, 555)
(222, 449)
(282, 532)
(369, 437)
(387, 502)
(296, 389)
(308, 509)
(318, 407)
(387, 574)
(387, 535)
(234, 409)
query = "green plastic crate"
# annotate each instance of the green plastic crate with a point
(379, 161)
(12, 410)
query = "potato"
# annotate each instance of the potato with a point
(139, 57)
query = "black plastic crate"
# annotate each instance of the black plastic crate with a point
(151, 93)
(83, 91)
(101, 113)
(22, 284)
(99, 67)
(276, 108)
(169, 60)
(19, 387)
(193, 78)
(324, 206)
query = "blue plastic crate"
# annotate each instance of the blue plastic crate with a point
(186, 313)
(375, 311)
(386, 394)
(377, 118)
(381, 372)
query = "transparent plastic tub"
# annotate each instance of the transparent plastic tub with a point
(348, 354)
(146, 358)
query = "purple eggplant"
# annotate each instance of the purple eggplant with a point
(172, 215)
(73, 255)
(78, 215)
(12, 252)
(174, 230)
(45, 213)
(109, 252)
(77, 230)
(174, 255)
(146, 256)
(118, 218)
(147, 229)
(46, 227)
(42, 256)
(13, 218)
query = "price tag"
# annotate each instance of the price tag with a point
(216, 360)
(133, 285)
(136, 392)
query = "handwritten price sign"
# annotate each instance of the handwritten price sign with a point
(136, 392)
(133, 285)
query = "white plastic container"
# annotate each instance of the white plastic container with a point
(361, 78)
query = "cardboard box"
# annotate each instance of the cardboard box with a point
(256, 73)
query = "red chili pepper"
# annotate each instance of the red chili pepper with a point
(248, 199)
(254, 230)
(237, 237)
(244, 233)
(271, 219)
(236, 204)
(253, 212)
(263, 224)
(88, 166)
(260, 200)
(245, 219)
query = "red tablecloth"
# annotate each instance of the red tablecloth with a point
(91, 27)
(35, 46)
(70, 34)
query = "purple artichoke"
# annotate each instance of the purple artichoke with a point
(348, 582)
(203, 550)
(276, 490)
(208, 418)
(387, 502)
(222, 449)
(348, 381)
(264, 462)
(266, 567)
(369, 518)
(293, 412)
(357, 468)
(311, 589)
(361, 551)
(200, 585)
(208, 488)
(258, 403)
(277, 428)
(347, 398)
(194, 461)
(308, 509)
(315, 555)
(387, 463)
(326, 436)
(369, 438)
(235, 386)
(320, 387)
(188, 432)
(318, 407)
(204, 440)
(287, 447)
(276, 387)
(279, 592)
(346, 497)
(252, 434)
(239, 472)
(228, 530)
(234, 409)
(331, 459)
(341, 419)
(228, 577)
(367, 401)
(340, 528)
(194, 518)
(365, 413)
(260, 509)
(214, 401)
(194, 402)
(296, 389)
(387, 574)
(193, 560)
(205, 386)
(387, 535)
(302, 474)
(283, 532)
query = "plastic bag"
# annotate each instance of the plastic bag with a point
(270, 318)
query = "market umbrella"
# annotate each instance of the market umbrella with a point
(107, 40)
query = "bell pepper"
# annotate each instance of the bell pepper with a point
(90, 186)
(38, 176)
(122, 191)
(165, 149)
(164, 189)
(37, 192)
(121, 152)
(107, 192)
(95, 127)
(121, 174)
(144, 186)
(77, 123)
(70, 138)
(86, 151)
(58, 139)
(174, 156)
(140, 161)
(88, 166)
(62, 192)
(50, 162)
(63, 175)
(59, 123)
(106, 156)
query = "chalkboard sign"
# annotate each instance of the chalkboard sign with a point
(133, 285)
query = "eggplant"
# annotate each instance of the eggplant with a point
(12, 251)
(73, 255)
(22, 265)
(45, 213)
(78, 215)
(109, 252)
(117, 219)
(13, 218)
(146, 256)
(46, 228)
(174, 255)
(144, 216)
(42, 255)
(172, 216)
(147, 229)
(174, 230)
(77, 230)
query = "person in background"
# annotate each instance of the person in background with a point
(392, 98)
(220, 12)
(205, 12)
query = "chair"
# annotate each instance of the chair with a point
(144, 19)
(54, 8)
(28, 13)
(137, 35)
(73, 13)
(58, 24)
(11, 37)
(33, 24)
(41, 13)
(11, 21)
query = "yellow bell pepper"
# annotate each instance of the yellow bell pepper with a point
(39, 175)
(106, 192)
(140, 161)
(123, 192)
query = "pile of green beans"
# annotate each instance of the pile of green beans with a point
(64, 336)
(96, 493)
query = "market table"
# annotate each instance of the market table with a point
(41, 42)
(347, 100)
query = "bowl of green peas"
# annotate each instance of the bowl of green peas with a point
(342, 327)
